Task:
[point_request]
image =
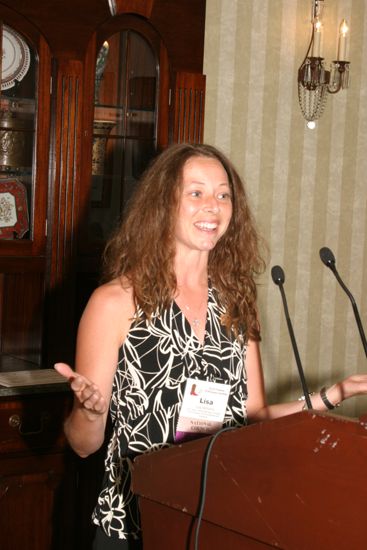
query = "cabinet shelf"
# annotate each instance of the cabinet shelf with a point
(99, 107)
(13, 363)
(17, 104)
(10, 171)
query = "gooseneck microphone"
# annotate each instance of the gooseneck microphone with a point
(278, 277)
(328, 258)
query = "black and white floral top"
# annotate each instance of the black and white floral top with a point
(154, 362)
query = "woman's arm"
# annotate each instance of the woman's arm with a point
(257, 408)
(102, 329)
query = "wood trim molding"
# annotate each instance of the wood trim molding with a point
(141, 7)
(188, 107)
(66, 156)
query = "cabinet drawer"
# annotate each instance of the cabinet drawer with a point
(33, 422)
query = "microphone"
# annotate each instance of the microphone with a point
(278, 277)
(328, 258)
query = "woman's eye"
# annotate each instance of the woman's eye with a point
(195, 194)
(224, 196)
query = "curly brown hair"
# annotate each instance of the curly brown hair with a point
(142, 249)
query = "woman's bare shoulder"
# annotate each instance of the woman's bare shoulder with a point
(117, 289)
(108, 313)
(113, 300)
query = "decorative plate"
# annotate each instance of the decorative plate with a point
(16, 58)
(14, 220)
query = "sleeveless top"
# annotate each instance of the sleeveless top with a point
(155, 360)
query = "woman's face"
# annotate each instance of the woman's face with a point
(205, 206)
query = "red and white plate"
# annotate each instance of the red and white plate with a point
(14, 220)
(16, 58)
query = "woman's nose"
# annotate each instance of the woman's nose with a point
(211, 205)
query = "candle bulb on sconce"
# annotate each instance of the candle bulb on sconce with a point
(342, 44)
(315, 82)
(316, 45)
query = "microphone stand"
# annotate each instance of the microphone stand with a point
(354, 306)
(295, 349)
(327, 257)
(278, 278)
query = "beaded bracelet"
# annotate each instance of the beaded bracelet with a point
(325, 400)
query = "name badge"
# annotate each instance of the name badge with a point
(203, 409)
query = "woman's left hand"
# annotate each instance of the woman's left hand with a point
(355, 384)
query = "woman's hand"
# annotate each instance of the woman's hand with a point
(353, 385)
(86, 393)
(356, 384)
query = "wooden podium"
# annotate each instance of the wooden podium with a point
(295, 483)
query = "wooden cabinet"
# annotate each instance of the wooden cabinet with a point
(90, 134)
(87, 135)
(37, 473)
(24, 151)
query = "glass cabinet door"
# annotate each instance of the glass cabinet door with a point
(17, 134)
(125, 126)
(22, 200)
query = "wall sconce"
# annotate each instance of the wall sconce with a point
(314, 81)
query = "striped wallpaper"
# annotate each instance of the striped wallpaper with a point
(307, 187)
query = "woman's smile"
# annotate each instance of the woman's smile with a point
(206, 226)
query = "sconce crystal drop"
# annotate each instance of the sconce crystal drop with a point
(313, 82)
